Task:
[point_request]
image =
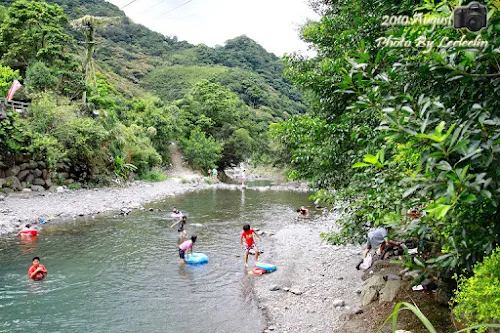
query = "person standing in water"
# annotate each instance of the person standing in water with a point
(214, 174)
(37, 271)
(180, 229)
(247, 235)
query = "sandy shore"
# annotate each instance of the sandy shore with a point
(315, 283)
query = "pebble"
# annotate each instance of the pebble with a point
(338, 302)
(296, 291)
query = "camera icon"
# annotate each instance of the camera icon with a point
(472, 17)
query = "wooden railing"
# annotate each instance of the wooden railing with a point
(19, 107)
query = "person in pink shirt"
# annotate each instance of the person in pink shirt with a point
(185, 248)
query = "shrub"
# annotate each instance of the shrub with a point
(74, 186)
(154, 175)
(201, 151)
(7, 75)
(39, 78)
(478, 297)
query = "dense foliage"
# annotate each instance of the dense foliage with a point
(395, 128)
(478, 297)
(90, 81)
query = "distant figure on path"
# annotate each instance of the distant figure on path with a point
(37, 271)
(214, 174)
(243, 177)
(185, 248)
(247, 235)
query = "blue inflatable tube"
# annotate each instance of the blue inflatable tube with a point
(266, 267)
(197, 258)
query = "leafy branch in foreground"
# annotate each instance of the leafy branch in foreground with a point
(428, 325)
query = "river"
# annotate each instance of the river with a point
(122, 273)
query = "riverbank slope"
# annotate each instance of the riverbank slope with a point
(315, 283)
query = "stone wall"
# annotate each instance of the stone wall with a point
(28, 175)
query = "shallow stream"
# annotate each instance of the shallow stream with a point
(122, 274)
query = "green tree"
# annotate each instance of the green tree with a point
(33, 31)
(237, 148)
(39, 78)
(203, 152)
(7, 76)
(389, 131)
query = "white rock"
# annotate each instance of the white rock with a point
(338, 303)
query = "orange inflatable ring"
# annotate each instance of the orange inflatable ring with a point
(258, 271)
(29, 232)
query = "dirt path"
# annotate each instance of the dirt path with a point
(179, 167)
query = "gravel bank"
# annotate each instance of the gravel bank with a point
(17, 209)
(315, 283)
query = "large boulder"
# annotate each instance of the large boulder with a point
(376, 281)
(32, 165)
(37, 188)
(370, 289)
(45, 174)
(390, 291)
(23, 166)
(64, 175)
(23, 174)
(13, 171)
(369, 296)
(29, 178)
(37, 173)
(13, 183)
(38, 181)
(48, 183)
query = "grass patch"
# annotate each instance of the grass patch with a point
(154, 175)
(74, 186)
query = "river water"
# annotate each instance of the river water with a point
(122, 274)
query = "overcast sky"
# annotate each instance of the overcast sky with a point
(272, 23)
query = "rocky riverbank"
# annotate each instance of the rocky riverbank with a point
(317, 287)
(315, 284)
(17, 209)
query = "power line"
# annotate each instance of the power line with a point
(184, 3)
(156, 4)
(131, 2)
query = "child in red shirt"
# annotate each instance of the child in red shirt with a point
(37, 271)
(247, 235)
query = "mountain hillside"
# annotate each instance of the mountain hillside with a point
(167, 67)
(117, 110)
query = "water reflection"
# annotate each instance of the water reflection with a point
(28, 244)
